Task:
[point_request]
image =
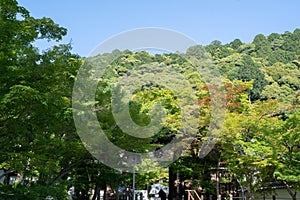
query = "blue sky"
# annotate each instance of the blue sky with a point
(92, 21)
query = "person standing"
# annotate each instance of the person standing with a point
(128, 194)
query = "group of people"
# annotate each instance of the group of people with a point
(184, 186)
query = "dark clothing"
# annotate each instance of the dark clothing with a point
(162, 195)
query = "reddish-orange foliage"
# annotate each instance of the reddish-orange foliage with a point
(233, 92)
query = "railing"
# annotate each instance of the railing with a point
(192, 194)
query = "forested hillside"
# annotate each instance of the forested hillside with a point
(259, 139)
(271, 61)
(256, 145)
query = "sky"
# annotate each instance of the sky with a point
(90, 22)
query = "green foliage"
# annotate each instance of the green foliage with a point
(247, 71)
(217, 50)
(283, 82)
(262, 46)
(259, 140)
(235, 44)
(34, 191)
(35, 101)
(288, 140)
(197, 51)
(145, 97)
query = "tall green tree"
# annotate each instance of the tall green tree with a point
(287, 144)
(245, 148)
(38, 138)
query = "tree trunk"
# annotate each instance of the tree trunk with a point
(250, 195)
(171, 184)
(218, 179)
(104, 188)
(292, 193)
(96, 192)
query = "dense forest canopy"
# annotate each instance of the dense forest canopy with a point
(259, 142)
